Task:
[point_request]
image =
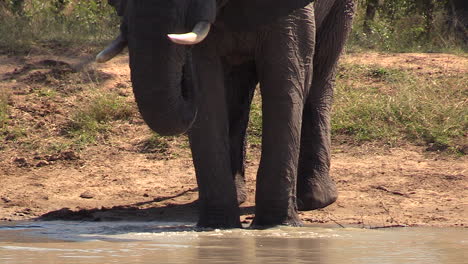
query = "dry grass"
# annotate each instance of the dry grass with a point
(392, 105)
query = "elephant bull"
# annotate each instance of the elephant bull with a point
(203, 83)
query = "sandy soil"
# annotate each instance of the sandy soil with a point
(120, 179)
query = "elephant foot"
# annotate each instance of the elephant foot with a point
(241, 189)
(261, 222)
(219, 217)
(316, 193)
(270, 217)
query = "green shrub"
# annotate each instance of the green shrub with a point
(400, 27)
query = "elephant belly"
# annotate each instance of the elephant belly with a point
(238, 47)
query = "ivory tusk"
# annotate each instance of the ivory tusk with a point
(199, 33)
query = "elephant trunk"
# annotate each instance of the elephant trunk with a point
(165, 96)
(160, 67)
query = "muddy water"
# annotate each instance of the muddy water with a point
(145, 243)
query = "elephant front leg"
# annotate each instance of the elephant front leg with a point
(276, 180)
(209, 141)
(285, 71)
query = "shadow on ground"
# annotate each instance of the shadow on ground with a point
(143, 211)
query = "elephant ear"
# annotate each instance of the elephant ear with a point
(246, 15)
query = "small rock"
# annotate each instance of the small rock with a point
(26, 211)
(6, 199)
(10, 137)
(87, 195)
(464, 149)
(42, 163)
(40, 124)
(69, 155)
(54, 157)
(436, 147)
(21, 162)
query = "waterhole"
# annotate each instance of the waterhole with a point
(156, 242)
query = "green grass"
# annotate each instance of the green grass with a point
(46, 92)
(58, 146)
(94, 117)
(254, 131)
(156, 144)
(388, 105)
(3, 111)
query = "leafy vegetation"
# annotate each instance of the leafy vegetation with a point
(50, 23)
(387, 25)
(410, 25)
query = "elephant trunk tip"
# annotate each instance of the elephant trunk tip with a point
(169, 125)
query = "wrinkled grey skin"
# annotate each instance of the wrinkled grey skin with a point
(207, 90)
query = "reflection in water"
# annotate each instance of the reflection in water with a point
(259, 250)
(148, 243)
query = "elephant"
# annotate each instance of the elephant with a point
(202, 83)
